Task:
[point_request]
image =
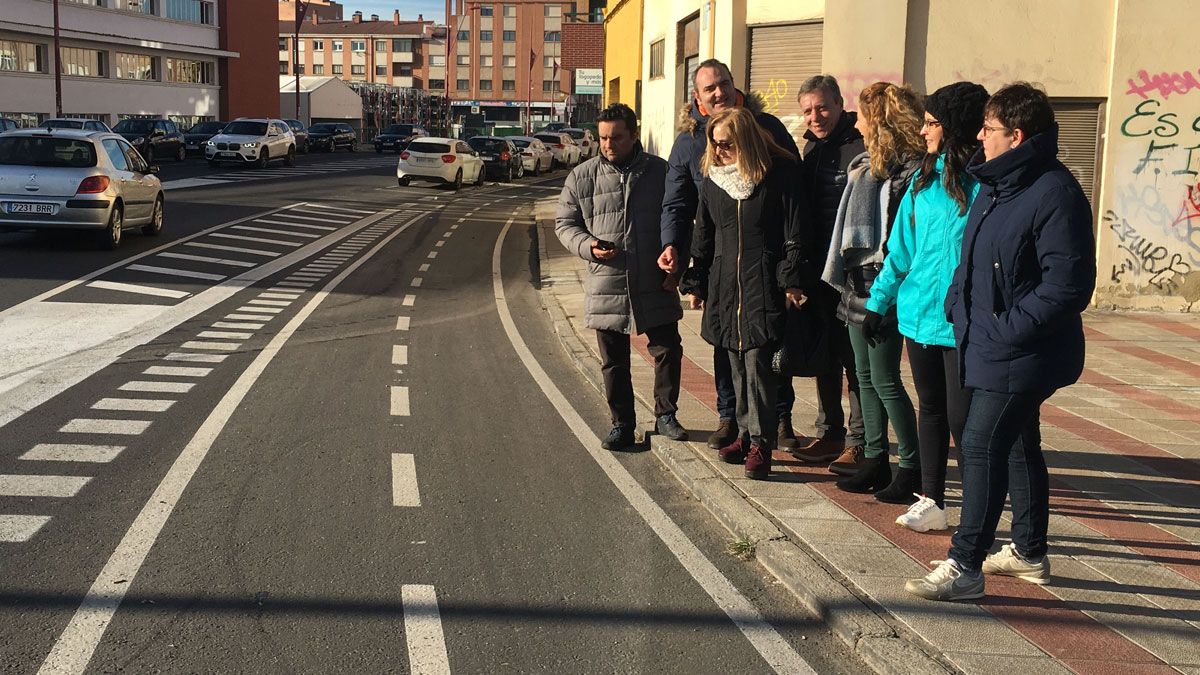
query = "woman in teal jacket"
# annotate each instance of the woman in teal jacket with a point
(923, 252)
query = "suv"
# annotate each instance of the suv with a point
(75, 123)
(252, 141)
(397, 136)
(153, 137)
(329, 136)
(301, 133)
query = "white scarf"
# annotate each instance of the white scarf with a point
(729, 179)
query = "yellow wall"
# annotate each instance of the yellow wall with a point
(622, 57)
(864, 43)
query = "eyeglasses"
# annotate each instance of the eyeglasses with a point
(932, 124)
(724, 145)
(988, 131)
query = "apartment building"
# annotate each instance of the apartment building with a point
(327, 10)
(121, 58)
(369, 50)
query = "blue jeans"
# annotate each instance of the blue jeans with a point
(785, 397)
(1002, 456)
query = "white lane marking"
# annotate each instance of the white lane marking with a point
(269, 303)
(20, 485)
(432, 255)
(279, 295)
(77, 642)
(19, 528)
(233, 249)
(336, 208)
(289, 292)
(454, 226)
(404, 481)
(322, 267)
(260, 240)
(423, 268)
(224, 335)
(251, 309)
(447, 235)
(338, 257)
(206, 259)
(73, 452)
(423, 631)
(400, 355)
(409, 300)
(417, 281)
(461, 220)
(135, 404)
(176, 371)
(440, 243)
(238, 325)
(306, 226)
(295, 284)
(402, 322)
(158, 387)
(248, 317)
(195, 358)
(101, 426)
(399, 402)
(137, 288)
(340, 220)
(172, 272)
(212, 346)
(271, 230)
(778, 654)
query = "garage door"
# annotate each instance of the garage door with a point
(1079, 136)
(781, 58)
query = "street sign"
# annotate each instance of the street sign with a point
(589, 81)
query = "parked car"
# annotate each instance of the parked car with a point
(77, 180)
(588, 146)
(535, 156)
(195, 138)
(440, 160)
(553, 126)
(329, 136)
(153, 138)
(500, 157)
(257, 141)
(7, 124)
(566, 152)
(301, 133)
(396, 136)
(75, 123)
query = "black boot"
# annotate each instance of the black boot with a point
(904, 488)
(875, 474)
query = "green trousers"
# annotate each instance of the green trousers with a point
(883, 398)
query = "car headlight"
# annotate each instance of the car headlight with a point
(210, 142)
(251, 144)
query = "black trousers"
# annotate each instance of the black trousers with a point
(942, 406)
(666, 348)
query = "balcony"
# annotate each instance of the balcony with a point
(402, 80)
(402, 57)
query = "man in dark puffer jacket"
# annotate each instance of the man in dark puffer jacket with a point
(713, 91)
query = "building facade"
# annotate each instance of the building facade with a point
(623, 66)
(248, 82)
(119, 59)
(1123, 77)
(327, 10)
(369, 50)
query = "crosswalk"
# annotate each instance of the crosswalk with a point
(248, 174)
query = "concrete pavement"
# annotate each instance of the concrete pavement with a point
(1123, 447)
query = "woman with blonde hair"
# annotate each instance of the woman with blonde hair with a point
(751, 255)
(890, 118)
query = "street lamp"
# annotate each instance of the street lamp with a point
(301, 10)
(57, 67)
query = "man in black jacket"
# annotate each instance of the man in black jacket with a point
(714, 91)
(832, 141)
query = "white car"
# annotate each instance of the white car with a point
(75, 123)
(566, 152)
(440, 160)
(534, 154)
(252, 141)
(588, 145)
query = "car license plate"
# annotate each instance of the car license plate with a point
(39, 209)
(487, 157)
(227, 154)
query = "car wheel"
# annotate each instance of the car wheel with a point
(537, 168)
(508, 174)
(264, 158)
(110, 238)
(480, 176)
(404, 181)
(154, 227)
(521, 170)
(350, 147)
(457, 184)
(290, 158)
(181, 155)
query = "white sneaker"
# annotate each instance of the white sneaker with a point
(923, 516)
(947, 581)
(1008, 562)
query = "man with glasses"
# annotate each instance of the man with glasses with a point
(1026, 274)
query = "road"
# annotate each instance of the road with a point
(321, 424)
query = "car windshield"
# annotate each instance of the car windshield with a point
(488, 144)
(63, 124)
(549, 138)
(295, 125)
(322, 128)
(399, 130)
(521, 144)
(246, 129)
(577, 134)
(431, 148)
(42, 151)
(207, 128)
(134, 127)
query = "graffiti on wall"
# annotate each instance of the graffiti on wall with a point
(993, 76)
(1155, 206)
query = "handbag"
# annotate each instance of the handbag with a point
(806, 348)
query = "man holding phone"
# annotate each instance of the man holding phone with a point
(609, 214)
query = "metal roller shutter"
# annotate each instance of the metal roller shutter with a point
(781, 58)
(1079, 135)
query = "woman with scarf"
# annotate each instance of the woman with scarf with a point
(750, 251)
(923, 251)
(889, 117)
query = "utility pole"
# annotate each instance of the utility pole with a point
(301, 10)
(57, 67)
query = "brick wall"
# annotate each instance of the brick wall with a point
(582, 45)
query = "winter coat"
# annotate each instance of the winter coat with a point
(923, 251)
(602, 201)
(1027, 272)
(745, 252)
(825, 166)
(684, 177)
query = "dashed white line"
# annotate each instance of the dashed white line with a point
(423, 268)
(409, 300)
(172, 272)
(196, 358)
(440, 243)
(206, 259)
(213, 346)
(417, 281)
(137, 288)
(158, 387)
(404, 481)
(19, 528)
(432, 255)
(337, 208)
(72, 452)
(271, 230)
(295, 284)
(176, 371)
(238, 325)
(233, 249)
(399, 402)
(423, 631)
(22, 485)
(260, 240)
(325, 228)
(102, 426)
(400, 355)
(133, 404)
(251, 309)
(402, 322)
(269, 303)
(447, 235)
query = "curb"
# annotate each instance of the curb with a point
(869, 635)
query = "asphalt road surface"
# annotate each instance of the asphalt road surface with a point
(321, 424)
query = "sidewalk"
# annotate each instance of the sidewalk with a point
(1123, 447)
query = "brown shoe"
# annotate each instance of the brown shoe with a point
(849, 462)
(820, 452)
(786, 438)
(726, 433)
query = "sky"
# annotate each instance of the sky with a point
(434, 10)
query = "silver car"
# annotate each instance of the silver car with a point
(65, 179)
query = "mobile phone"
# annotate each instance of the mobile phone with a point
(605, 245)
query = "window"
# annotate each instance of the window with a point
(485, 61)
(464, 85)
(115, 154)
(299, 69)
(553, 10)
(22, 57)
(485, 85)
(337, 45)
(485, 36)
(358, 70)
(300, 45)
(509, 61)
(358, 45)
(135, 67)
(437, 85)
(552, 35)
(551, 85)
(548, 61)
(82, 62)
(196, 11)
(509, 85)
(283, 44)
(437, 60)
(462, 60)
(510, 36)
(381, 45)
(194, 72)
(402, 69)
(380, 71)
(283, 67)
(658, 53)
(464, 35)
(337, 69)
(318, 69)
(487, 10)
(510, 10)
(318, 45)
(402, 45)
